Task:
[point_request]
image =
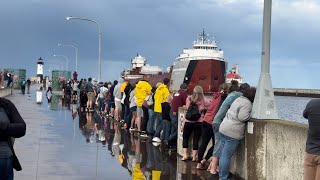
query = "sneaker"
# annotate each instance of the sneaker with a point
(156, 144)
(131, 129)
(143, 135)
(156, 139)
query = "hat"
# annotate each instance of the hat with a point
(183, 86)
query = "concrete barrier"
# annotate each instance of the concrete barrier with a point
(275, 150)
(271, 150)
(5, 91)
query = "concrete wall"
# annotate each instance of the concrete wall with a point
(276, 150)
(5, 92)
(271, 150)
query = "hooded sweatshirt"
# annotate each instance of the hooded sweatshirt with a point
(142, 90)
(160, 96)
(225, 106)
(179, 100)
(233, 125)
(213, 108)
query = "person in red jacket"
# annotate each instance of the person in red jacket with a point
(207, 131)
(178, 100)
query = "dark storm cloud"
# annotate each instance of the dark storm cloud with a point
(159, 30)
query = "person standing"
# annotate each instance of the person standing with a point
(143, 89)
(102, 96)
(12, 126)
(178, 100)
(160, 97)
(312, 156)
(232, 129)
(194, 126)
(207, 131)
(90, 94)
(23, 86)
(28, 85)
(83, 95)
(75, 89)
(112, 101)
(49, 87)
(117, 101)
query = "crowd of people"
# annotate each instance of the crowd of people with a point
(152, 112)
(131, 117)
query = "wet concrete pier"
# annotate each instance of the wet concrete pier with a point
(63, 143)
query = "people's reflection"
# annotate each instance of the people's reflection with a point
(109, 135)
(49, 97)
(100, 128)
(89, 128)
(82, 120)
(74, 110)
(156, 172)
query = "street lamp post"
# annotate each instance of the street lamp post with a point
(67, 45)
(99, 28)
(65, 57)
(264, 105)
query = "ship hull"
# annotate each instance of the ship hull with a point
(207, 73)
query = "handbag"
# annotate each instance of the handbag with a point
(15, 162)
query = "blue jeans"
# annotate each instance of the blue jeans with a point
(6, 169)
(152, 117)
(229, 146)
(166, 127)
(159, 124)
(174, 128)
(217, 147)
(101, 104)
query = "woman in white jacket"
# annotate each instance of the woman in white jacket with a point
(232, 129)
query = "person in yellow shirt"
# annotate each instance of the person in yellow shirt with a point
(143, 89)
(160, 96)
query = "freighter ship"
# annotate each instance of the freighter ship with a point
(203, 65)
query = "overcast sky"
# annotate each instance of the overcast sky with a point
(159, 30)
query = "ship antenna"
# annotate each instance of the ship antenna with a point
(203, 36)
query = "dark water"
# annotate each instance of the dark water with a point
(291, 108)
(97, 148)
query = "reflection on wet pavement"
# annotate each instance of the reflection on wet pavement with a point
(80, 145)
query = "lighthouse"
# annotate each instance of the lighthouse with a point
(40, 69)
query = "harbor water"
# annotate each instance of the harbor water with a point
(291, 108)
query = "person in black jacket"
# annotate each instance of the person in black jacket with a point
(312, 156)
(11, 126)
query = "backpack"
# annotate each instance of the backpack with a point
(149, 100)
(193, 113)
(23, 83)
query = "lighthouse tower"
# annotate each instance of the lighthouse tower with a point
(40, 69)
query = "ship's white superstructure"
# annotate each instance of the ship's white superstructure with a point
(204, 48)
(140, 68)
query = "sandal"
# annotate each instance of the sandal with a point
(201, 166)
(185, 158)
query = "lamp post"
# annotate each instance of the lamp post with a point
(65, 57)
(99, 28)
(67, 45)
(264, 105)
